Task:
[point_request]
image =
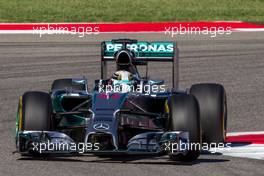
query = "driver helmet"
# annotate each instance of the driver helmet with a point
(123, 81)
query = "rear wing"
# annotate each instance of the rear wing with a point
(164, 51)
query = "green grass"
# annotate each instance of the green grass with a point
(130, 10)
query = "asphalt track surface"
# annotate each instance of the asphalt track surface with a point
(28, 62)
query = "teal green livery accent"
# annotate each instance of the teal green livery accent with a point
(67, 120)
(56, 103)
(143, 49)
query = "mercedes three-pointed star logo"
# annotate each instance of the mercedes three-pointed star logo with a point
(101, 126)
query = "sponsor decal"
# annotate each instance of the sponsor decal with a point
(142, 47)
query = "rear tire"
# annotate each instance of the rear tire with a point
(67, 83)
(213, 111)
(36, 111)
(184, 116)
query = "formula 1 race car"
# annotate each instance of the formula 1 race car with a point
(125, 113)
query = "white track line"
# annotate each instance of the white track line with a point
(249, 29)
(244, 133)
(254, 151)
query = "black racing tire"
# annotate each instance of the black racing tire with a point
(66, 83)
(213, 111)
(184, 116)
(36, 111)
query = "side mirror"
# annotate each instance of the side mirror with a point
(79, 81)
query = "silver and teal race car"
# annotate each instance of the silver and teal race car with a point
(126, 113)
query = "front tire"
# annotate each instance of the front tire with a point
(184, 116)
(36, 111)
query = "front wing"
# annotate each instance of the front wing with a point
(53, 142)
